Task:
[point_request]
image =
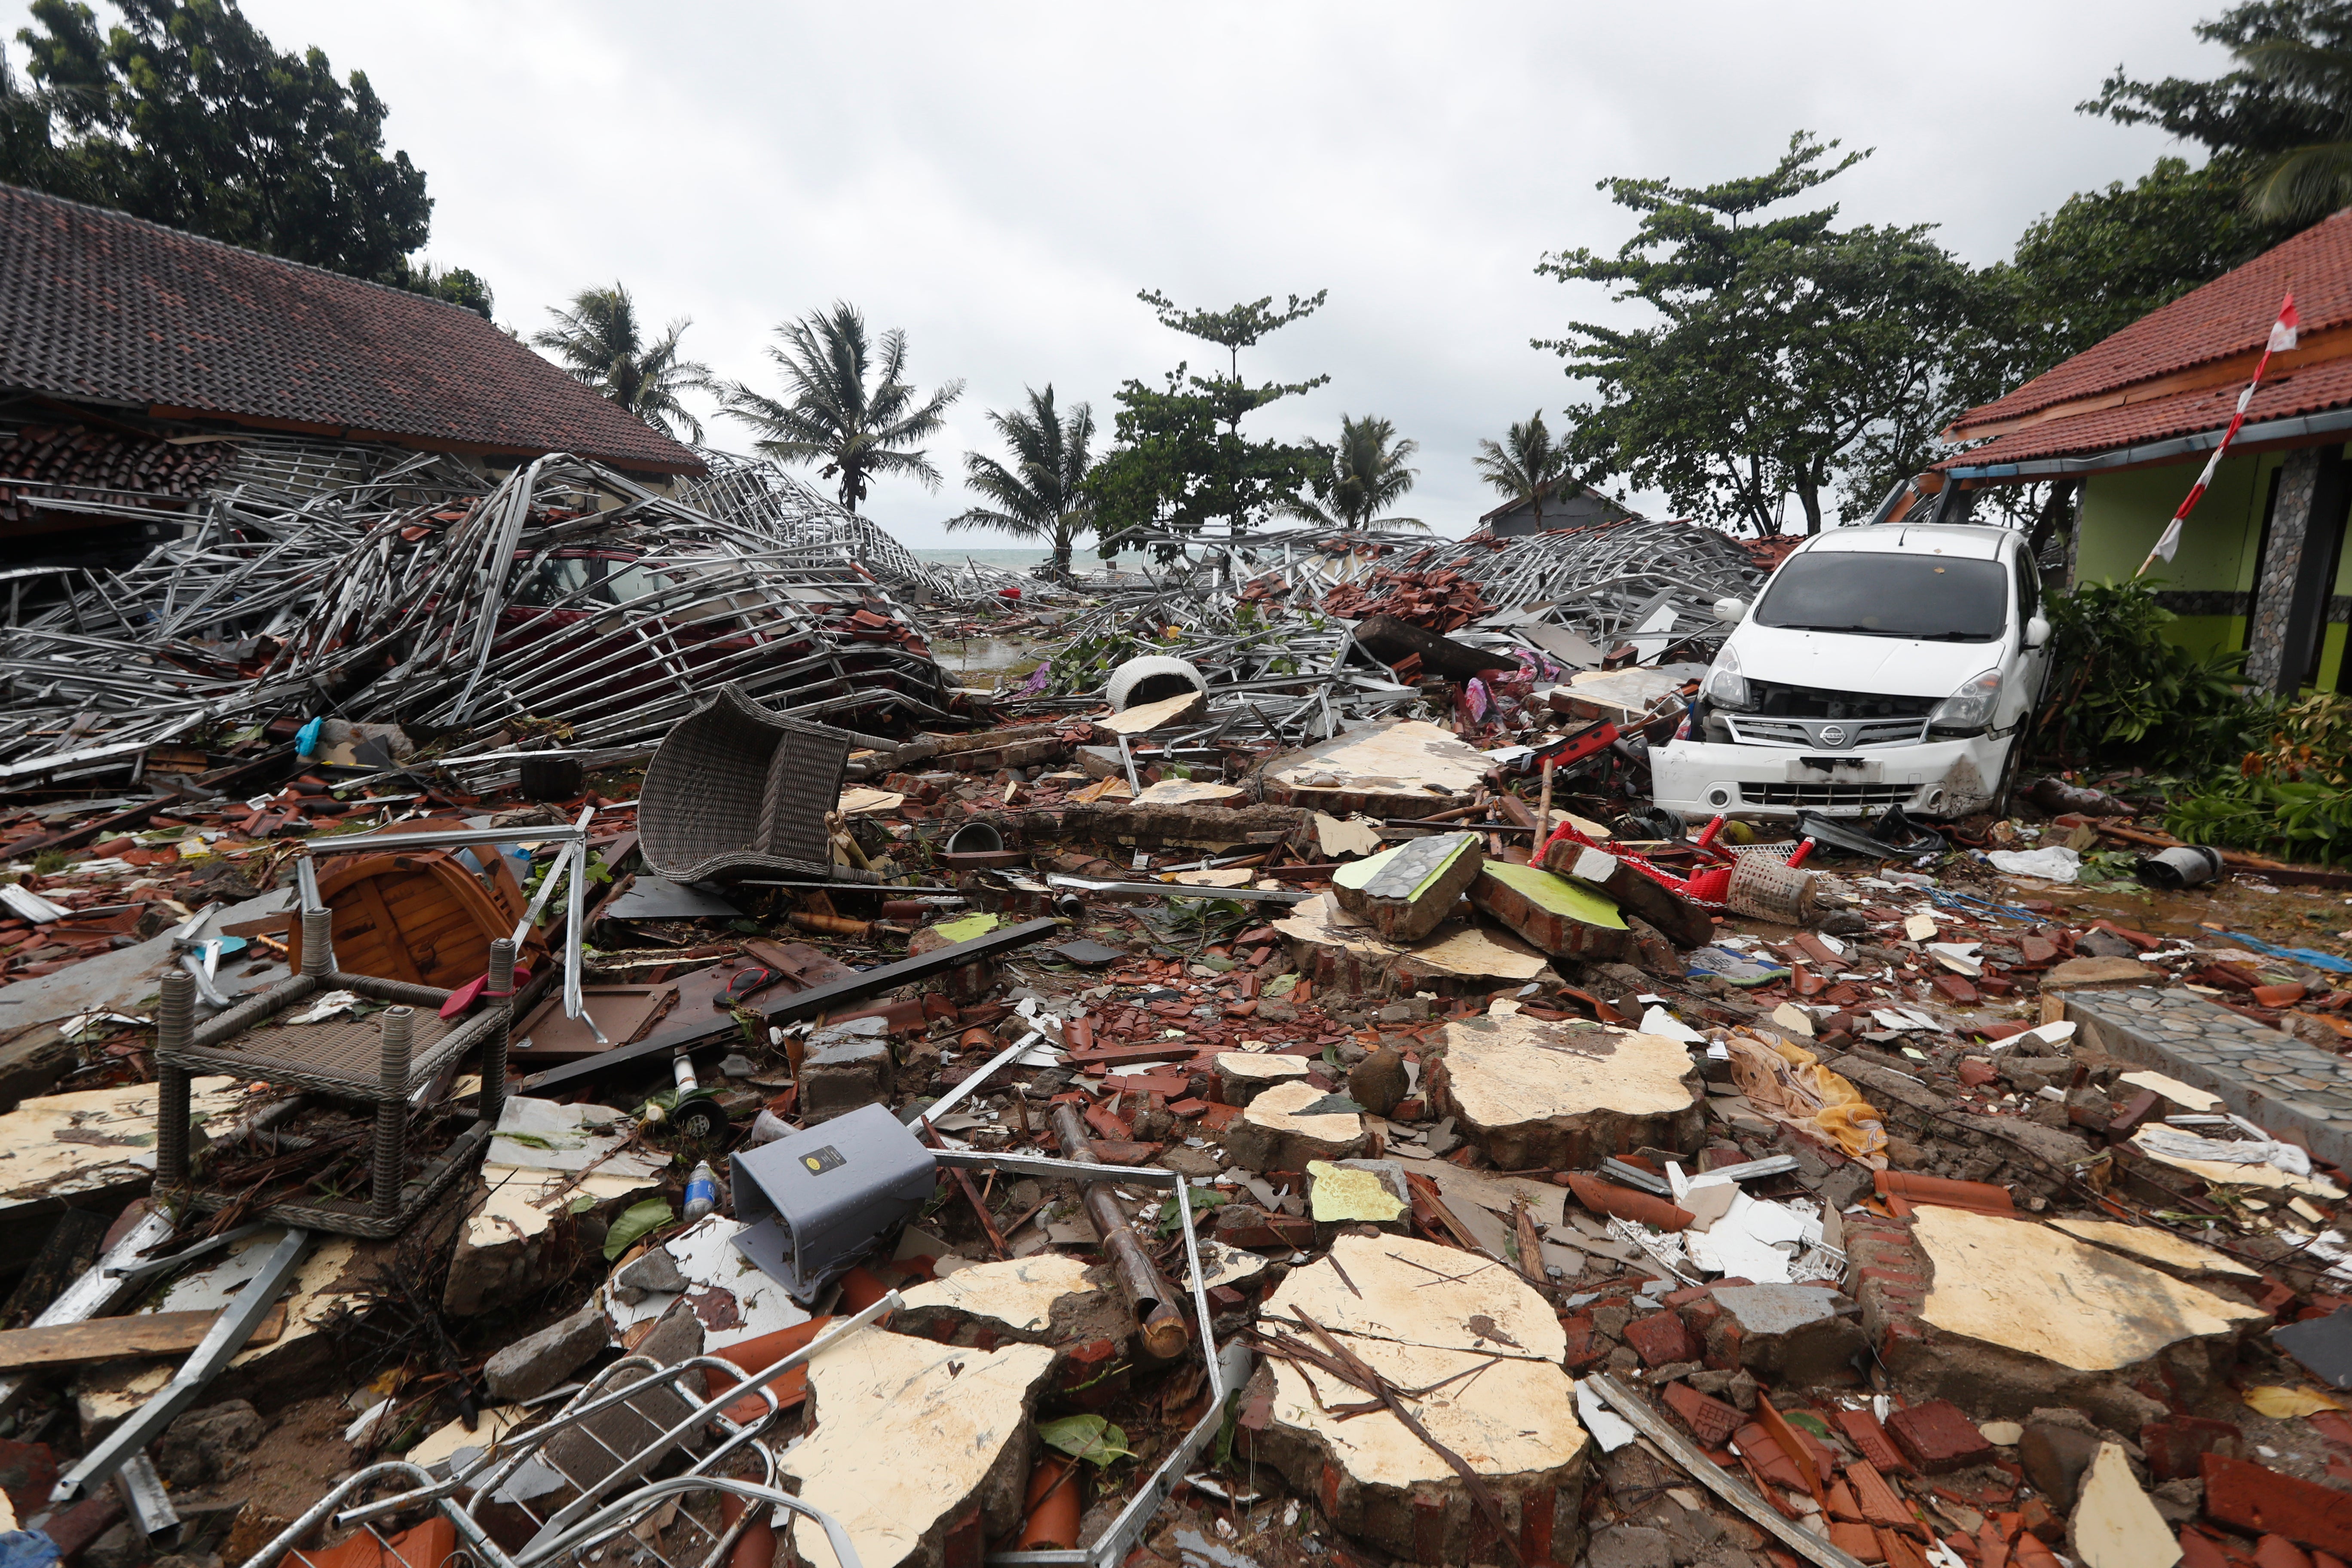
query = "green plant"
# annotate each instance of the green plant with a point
(49, 862)
(2292, 797)
(1088, 1438)
(2124, 692)
(637, 1220)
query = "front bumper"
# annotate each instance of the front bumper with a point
(1935, 778)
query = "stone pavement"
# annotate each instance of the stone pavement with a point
(2291, 1089)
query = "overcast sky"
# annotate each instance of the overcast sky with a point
(1000, 180)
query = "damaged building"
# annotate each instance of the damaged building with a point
(540, 1024)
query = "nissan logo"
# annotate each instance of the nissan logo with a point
(1833, 734)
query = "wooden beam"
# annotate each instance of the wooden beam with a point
(113, 1339)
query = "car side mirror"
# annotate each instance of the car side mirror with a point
(2037, 632)
(1730, 609)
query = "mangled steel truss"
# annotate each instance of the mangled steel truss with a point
(324, 578)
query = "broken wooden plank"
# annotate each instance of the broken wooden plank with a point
(113, 1339)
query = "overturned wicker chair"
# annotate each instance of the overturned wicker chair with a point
(738, 791)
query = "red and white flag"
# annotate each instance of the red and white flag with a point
(2282, 337)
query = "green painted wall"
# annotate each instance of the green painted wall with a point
(2123, 514)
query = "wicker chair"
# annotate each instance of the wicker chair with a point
(378, 1061)
(738, 791)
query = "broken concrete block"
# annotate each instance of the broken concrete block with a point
(537, 1363)
(844, 1066)
(2054, 1456)
(2114, 1525)
(881, 1400)
(1393, 768)
(1804, 1335)
(1554, 915)
(1406, 892)
(1048, 1299)
(1342, 954)
(2161, 1249)
(1242, 1075)
(1378, 1082)
(1683, 922)
(334, 1281)
(1294, 1122)
(1361, 1192)
(1537, 1095)
(652, 1272)
(1420, 1318)
(2015, 1319)
(521, 1227)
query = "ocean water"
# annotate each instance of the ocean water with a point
(1083, 559)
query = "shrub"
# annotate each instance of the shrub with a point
(2125, 693)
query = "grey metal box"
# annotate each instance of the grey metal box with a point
(817, 1200)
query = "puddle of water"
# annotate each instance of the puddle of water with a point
(991, 656)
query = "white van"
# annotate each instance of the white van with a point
(1889, 665)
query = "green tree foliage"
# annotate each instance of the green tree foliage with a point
(1525, 464)
(1181, 461)
(1361, 475)
(2127, 693)
(1790, 352)
(2249, 109)
(2105, 258)
(184, 113)
(598, 341)
(847, 404)
(458, 286)
(1041, 494)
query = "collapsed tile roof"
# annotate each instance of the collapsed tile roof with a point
(2178, 371)
(101, 308)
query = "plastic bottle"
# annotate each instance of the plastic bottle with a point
(701, 1191)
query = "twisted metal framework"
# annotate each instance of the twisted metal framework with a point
(323, 577)
(1606, 580)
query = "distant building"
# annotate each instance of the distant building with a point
(138, 365)
(2262, 564)
(1561, 504)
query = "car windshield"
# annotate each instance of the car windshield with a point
(1933, 598)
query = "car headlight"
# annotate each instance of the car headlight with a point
(1969, 711)
(1725, 686)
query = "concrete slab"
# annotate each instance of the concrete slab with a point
(1486, 1347)
(2158, 1249)
(880, 1399)
(1537, 1095)
(1279, 1131)
(88, 1146)
(545, 1160)
(1049, 1298)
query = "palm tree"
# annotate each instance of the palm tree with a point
(1525, 465)
(1364, 474)
(1043, 494)
(833, 415)
(2305, 183)
(600, 344)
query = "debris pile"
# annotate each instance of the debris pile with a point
(1262, 1087)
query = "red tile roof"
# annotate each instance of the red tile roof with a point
(103, 308)
(2230, 315)
(2306, 390)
